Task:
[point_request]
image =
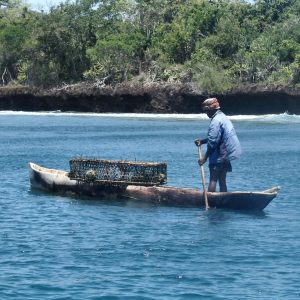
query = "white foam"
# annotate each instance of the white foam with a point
(109, 115)
(268, 118)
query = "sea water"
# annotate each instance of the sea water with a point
(55, 247)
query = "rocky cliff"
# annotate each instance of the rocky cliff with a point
(153, 98)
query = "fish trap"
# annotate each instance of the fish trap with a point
(118, 172)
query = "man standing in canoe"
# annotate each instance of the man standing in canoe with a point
(222, 145)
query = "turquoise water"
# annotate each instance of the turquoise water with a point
(55, 247)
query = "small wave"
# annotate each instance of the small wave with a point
(268, 118)
(109, 115)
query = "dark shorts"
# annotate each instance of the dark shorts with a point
(221, 167)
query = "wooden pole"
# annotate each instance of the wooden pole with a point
(203, 179)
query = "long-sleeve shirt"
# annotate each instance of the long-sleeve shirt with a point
(222, 141)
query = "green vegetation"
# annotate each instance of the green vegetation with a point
(214, 45)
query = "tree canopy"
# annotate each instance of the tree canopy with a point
(215, 45)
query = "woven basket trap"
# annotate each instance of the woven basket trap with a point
(118, 172)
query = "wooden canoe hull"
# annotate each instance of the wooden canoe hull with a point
(58, 181)
(195, 198)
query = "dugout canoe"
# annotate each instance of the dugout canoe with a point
(57, 181)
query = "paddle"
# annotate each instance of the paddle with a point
(203, 178)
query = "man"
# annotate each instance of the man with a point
(222, 145)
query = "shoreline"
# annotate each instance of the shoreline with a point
(185, 116)
(153, 98)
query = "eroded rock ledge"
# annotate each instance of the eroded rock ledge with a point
(147, 98)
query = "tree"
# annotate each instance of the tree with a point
(216, 43)
(57, 52)
(175, 42)
(13, 35)
(117, 56)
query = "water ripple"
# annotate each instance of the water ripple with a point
(55, 247)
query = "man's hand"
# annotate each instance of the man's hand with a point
(202, 161)
(197, 142)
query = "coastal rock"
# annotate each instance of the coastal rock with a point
(147, 98)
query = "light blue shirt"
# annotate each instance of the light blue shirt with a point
(222, 139)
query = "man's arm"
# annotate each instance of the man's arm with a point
(199, 142)
(212, 140)
(209, 151)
